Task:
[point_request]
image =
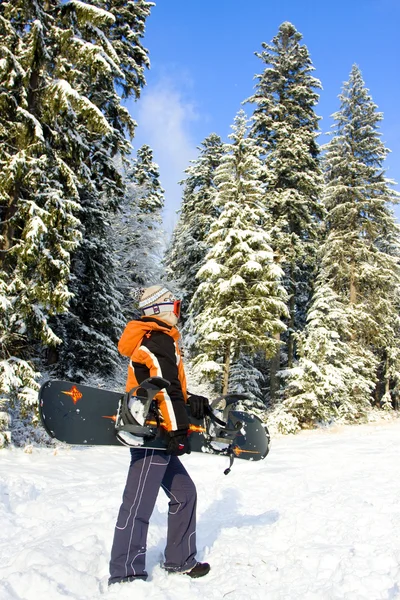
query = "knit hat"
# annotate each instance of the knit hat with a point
(149, 295)
(158, 300)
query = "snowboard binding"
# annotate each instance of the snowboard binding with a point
(132, 424)
(235, 430)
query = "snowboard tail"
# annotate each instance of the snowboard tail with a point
(83, 415)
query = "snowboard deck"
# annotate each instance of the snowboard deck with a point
(83, 415)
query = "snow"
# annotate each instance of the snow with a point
(319, 519)
(68, 93)
(29, 116)
(94, 11)
(252, 265)
(211, 267)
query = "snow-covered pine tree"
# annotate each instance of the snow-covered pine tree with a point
(285, 127)
(38, 194)
(247, 380)
(58, 134)
(137, 228)
(145, 173)
(240, 301)
(349, 356)
(331, 380)
(362, 250)
(114, 60)
(188, 247)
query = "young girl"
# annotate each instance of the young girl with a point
(151, 343)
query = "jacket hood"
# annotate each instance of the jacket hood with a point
(136, 330)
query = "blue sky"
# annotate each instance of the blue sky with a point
(203, 67)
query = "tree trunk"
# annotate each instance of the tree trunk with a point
(275, 366)
(227, 364)
(52, 355)
(387, 378)
(8, 230)
(353, 290)
(291, 328)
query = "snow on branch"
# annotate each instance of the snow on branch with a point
(97, 55)
(30, 117)
(93, 14)
(67, 96)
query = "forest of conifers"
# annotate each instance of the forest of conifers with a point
(285, 253)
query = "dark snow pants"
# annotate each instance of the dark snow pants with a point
(149, 470)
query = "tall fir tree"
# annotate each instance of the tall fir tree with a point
(247, 380)
(359, 273)
(38, 188)
(125, 35)
(62, 121)
(39, 199)
(332, 379)
(285, 127)
(112, 46)
(239, 302)
(188, 248)
(145, 173)
(362, 251)
(137, 228)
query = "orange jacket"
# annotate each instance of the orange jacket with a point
(152, 346)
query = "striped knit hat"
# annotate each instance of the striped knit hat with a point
(159, 301)
(150, 295)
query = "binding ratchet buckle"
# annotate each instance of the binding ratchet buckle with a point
(224, 434)
(128, 430)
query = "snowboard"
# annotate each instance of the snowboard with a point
(83, 415)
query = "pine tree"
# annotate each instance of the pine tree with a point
(137, 227)
(285, 127)
(109, 34)
(38, 193)
(247, 380)
(350, 352)
(332, 378)
(125, 35)
(361, 254)
(239, 301)
(188, 247)
(61, 123)
(146, 174)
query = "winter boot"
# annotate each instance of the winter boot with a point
(114, 580)
(199, 570)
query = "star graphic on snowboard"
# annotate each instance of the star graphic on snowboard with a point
(74, 393)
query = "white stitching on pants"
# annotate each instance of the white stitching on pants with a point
(162, 464)
(133, 559)
(180, 503)
(137, 491)
(189, 541)
(134, 518)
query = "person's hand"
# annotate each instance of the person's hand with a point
(178, 442)
(198, 406)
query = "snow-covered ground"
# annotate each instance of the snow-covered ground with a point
(318, 519)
